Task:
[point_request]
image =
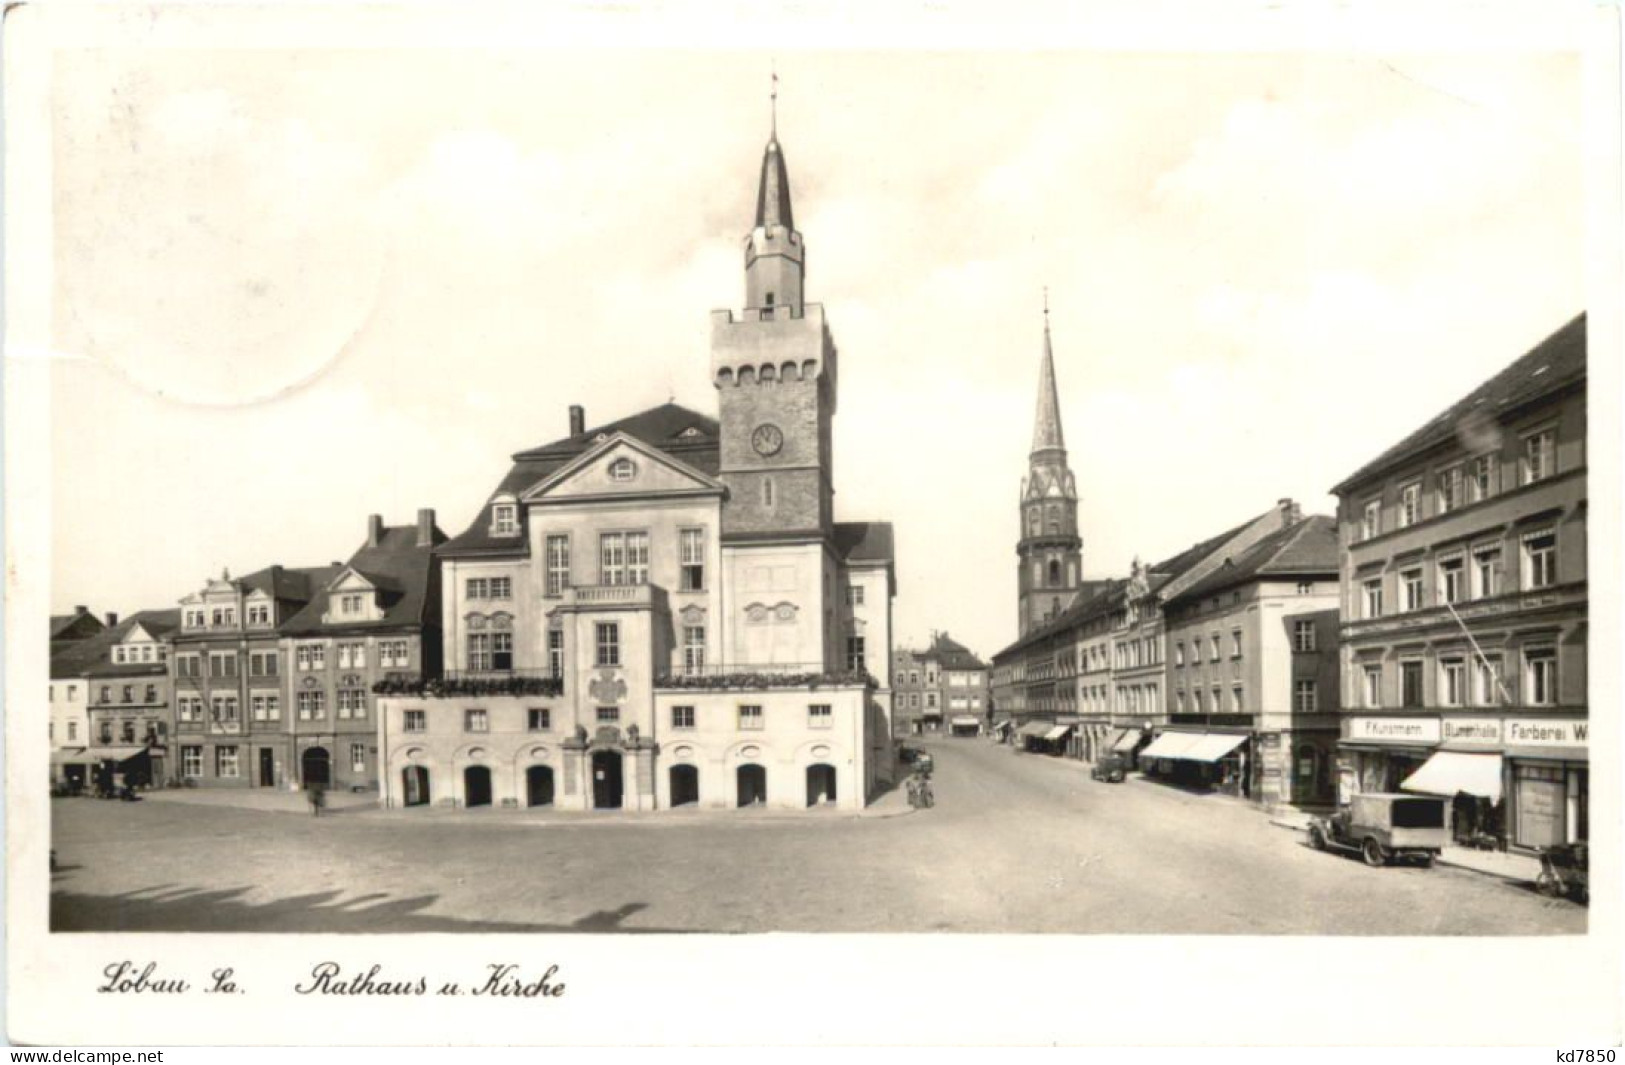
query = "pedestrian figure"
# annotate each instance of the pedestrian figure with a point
(318, 799)
(914, 792)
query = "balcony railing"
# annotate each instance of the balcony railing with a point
(609, 595)
(473, 682)
(763, 676)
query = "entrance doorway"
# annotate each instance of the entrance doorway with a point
(415, 785)
(539, 786)
(315, 767)
(685, 785)
(820, 784)
(751, 781)
(267, 767)
(477, 786)
(606, 780)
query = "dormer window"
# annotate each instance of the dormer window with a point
(351, 603)
(622, 469)
(505, 519)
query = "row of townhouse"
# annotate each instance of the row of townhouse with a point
(1431, 637)
(267, 680)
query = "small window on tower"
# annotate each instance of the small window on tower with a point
(1054, 573)
(770, 299)
(767, 491)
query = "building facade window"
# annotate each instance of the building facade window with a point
(682, 717)
(1452, 682)
(222, 663)
(1488, 675)
(539, 719)
(1371, 520)
(476, 720)
(1540, 559)
(1410, 582)
(608, 715)
(1486, 572)
(1372, 693)
(1481, 477)
(1410, 505)
(311, 656)
(501, 650)
(555, 652)
(1410, 683)
(191, 761)
(394, 654)
(1373, 598)
(1179, 654)
(750, 717)
(1303, 696)
(352, 703)
(1235, 644)
(819, 715)
(414, 721)
(609, 643)
(225, 762)
(350, 604)
(352, 656)
(358, 757)
(691, 558)
(557, 552)
(1303, 635)
(1539, 456)
(1452, 489)
(623, 558)
(1452, 579)
(854, 595)
(1540, 676)
(479, 651)
(854, 654)
(505, 519)
(1213, 654)
(1237, 704)
(693, 649)
(312, 705)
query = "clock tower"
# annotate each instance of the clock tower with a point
(774, 370)
(1050, 551)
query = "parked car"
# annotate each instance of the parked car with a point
(1565, 870)
(907, 754)
(1384, 827)
(923, 763)
(1112, 768)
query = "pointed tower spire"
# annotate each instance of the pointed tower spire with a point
(1047, 422)
(775, 260)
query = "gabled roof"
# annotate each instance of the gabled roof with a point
(951, 654)
(1171, 568)
(63, 625)
(289, 583)
(666, 428)
(864, 541)
(1551, 366)
(396, 566)
(1307, 548)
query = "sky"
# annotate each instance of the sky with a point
(294, 288)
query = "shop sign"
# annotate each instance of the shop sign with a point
(1394, 729)
(1547, 732)
(1472, 730)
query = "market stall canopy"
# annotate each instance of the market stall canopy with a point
(1058, 732)
(966, 719)
(1127, 741)
(1214, 746)
(1448, 772)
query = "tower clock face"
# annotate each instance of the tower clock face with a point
(767, 438)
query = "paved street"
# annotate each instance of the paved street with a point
(1016, 843)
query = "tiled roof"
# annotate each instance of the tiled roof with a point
(864, 541)
(685, 435)
(1094, 598)
(74, 658)
(397, 567)
(952, 654)
(61, 624)
(1170, 568)
(157, 623)
(289, 583)
(1553, 364)
(1308, 547)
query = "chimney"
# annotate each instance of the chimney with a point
(578, 420)
(112, 620)
(81, 610)
(1291, 513)
(375, 530)
(426, 527)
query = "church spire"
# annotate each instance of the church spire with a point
(1047, 422)
(775, 260)
(773, 194)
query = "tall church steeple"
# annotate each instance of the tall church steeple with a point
(775, 258)
(1050, 570)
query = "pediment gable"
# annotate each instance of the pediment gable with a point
(351, 580)
(622, 465)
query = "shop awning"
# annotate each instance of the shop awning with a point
(999, 726)
(1058, 732)
(966, 719)
(1214, 746)
(1127, 740)
(1034, 728)
(69, 756)
(116, 754)
(1172, 745)
(1448, 772)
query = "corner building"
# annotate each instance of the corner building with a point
(661, 611)
(1464, 607)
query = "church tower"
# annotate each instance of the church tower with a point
(1050, 569)
(773, 366)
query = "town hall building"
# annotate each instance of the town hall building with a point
(661, 610)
